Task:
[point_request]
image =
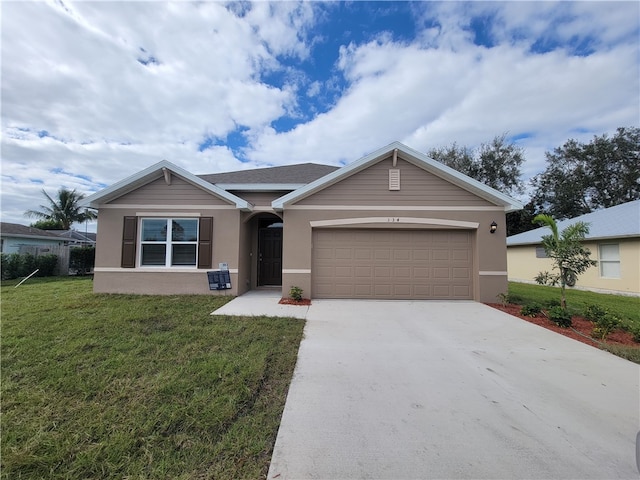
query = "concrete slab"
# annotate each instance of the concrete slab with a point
(417, 390)
(262, 303)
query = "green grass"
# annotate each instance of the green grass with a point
(625, 307)
(138, 387)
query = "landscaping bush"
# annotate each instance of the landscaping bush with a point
(11, 264)
(593, 312)
(296, 293)
(15, 265)
(604, 321)
(554, 302)
(560, 317)
(82, 259)
(47, 265)
(531, 309)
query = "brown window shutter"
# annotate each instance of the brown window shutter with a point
(205, 242)
(129, 233)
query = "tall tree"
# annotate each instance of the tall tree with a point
(496, 164)
(64, 209)
(580, 178)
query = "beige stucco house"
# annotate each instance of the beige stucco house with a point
(393, 225)
(614, 242)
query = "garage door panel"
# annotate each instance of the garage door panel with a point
(404, 264)
(343, 272)
(363, 272)
(461, 273)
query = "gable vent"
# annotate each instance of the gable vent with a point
(394, 179)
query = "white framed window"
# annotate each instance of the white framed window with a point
(168, 242)
(609, 260)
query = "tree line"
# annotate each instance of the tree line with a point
(579, 177)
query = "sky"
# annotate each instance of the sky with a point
(93, 92)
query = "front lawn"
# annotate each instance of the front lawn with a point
(139, 387)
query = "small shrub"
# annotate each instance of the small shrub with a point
(504, 299)
(296, 293)
(560, 317)
(635, 331)
(553, 303)
(605, 325)
(593, 312)
(604, 321)
(546, 278)
(531, 309)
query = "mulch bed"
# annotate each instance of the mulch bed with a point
(581, 324)
(291, 301)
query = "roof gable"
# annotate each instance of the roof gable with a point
(419, 159)
(152, 173)
(614, 222)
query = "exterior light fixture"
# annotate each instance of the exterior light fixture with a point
(494, 227)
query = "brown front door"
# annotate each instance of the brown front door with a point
(270, 256)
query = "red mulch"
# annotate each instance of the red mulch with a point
(581, 324)
(291, 301)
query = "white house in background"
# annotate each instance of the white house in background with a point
(614, 241)
(15, 237)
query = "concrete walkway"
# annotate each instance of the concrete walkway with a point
(417, 390)
(262, 302)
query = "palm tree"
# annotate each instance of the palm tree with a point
(64, 209)
(567, 251)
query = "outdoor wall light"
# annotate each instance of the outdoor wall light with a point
(494, 227)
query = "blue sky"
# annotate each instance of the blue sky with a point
(93, 92)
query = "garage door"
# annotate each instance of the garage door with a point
(392, 264)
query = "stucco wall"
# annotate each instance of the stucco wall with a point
(523, 266)
(490, 263)
(110, 277)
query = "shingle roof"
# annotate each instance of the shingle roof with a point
(614, 222)
(288, 174)
(17, 230)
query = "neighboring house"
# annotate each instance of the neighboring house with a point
(614, 242)
(393, 225)
(75, 238)
(16, 238)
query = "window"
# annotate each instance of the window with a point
(540, 253)
(609, 260)
(168, 242)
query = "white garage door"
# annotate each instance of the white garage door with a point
(392, 264)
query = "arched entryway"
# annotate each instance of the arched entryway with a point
(269, 261)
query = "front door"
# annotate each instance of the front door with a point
(270, 256)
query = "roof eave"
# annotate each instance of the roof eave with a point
(260, 187)
(144, 176)
(415, 157)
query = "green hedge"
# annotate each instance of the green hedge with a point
(15, 265)
(82, 259)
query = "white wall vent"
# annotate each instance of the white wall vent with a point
(394, 179)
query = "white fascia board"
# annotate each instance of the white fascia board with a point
(413, 156)
(154, 171)
(260, 187)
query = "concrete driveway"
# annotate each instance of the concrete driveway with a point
(417, 390)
